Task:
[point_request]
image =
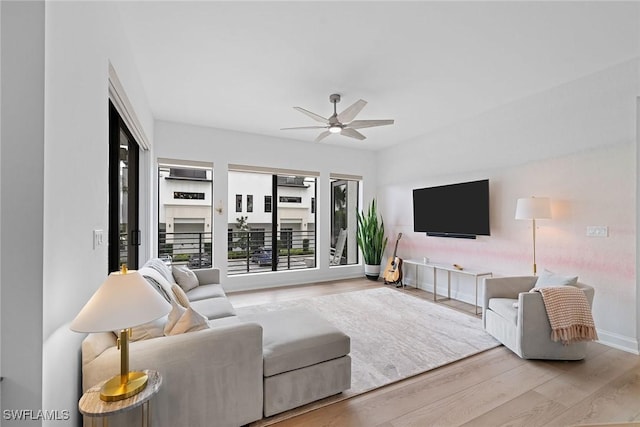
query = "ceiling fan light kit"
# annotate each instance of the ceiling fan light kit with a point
(342, 123)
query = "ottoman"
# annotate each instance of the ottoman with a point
(305, 358)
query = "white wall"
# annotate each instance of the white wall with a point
(186, 142)
(21, 197)
(81, 40)
(575, 144)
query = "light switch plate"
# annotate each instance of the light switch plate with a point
(98, 238)
(597, 231)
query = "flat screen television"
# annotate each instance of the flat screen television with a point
(455, 210)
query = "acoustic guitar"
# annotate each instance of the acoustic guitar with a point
(393, 271)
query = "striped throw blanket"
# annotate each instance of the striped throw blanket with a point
(569, 314)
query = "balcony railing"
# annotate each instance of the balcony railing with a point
(193, 249)
(252, 251)
(248, 251)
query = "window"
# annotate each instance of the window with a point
(290, 199)
(184, 214)
(186, 195)
(249, 203)
(238, 202)
(278, 238)
(313, 205)
(267, 204)
(188, 174)
(344, 205)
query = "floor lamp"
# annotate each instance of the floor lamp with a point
(533, 208)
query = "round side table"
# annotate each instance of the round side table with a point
(92, 406)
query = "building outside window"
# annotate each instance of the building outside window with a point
(238, 202)
(267, 204)
(249, 203)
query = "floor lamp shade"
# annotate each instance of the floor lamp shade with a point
(533, 208)
(123, 301)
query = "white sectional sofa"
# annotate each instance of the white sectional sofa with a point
(236, 371)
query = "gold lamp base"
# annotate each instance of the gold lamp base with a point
(116, 389)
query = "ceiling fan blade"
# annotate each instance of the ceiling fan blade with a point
(314, 116)
(359, 124)
(352, 111)
(322, 136)
(352, 133)
(305, 127)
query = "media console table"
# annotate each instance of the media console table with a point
(449, 269)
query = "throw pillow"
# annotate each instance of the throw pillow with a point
(174, 315)
(190, 321)
(186, 278)
(548, 279)
(181, 297)
(158, 287)
(153, 329)
(182, 320)
(162, 268)
(146, 331)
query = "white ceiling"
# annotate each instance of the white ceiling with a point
(244, 65)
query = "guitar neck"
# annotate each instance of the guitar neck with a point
(395, 250)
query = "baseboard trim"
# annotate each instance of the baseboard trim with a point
(617, 341)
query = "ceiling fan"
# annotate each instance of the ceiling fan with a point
(342, 123)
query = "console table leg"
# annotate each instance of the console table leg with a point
(476, 293)
(435, 278)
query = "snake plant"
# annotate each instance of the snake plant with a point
(370, 235)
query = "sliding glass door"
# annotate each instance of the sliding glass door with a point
(124, 232)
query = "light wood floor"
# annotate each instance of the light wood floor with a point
(494, 388)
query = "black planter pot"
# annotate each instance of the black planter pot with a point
(372, 272)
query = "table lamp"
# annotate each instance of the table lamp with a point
(533, 208)
(123, 301)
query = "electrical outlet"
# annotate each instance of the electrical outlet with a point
(98, 238)
(598, 231)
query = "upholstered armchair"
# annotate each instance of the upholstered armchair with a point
(524, 327)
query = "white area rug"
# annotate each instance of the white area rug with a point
(393, 336)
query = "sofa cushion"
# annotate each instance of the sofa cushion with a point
(205, 292)
(213, 308)
(162, 268)
(504, 307)
(295, 338)
(184, 277)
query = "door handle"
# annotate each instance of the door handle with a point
(135, 238)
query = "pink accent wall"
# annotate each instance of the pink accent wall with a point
(582, 156)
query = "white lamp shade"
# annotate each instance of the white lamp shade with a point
(533, 208)
(123, 301)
